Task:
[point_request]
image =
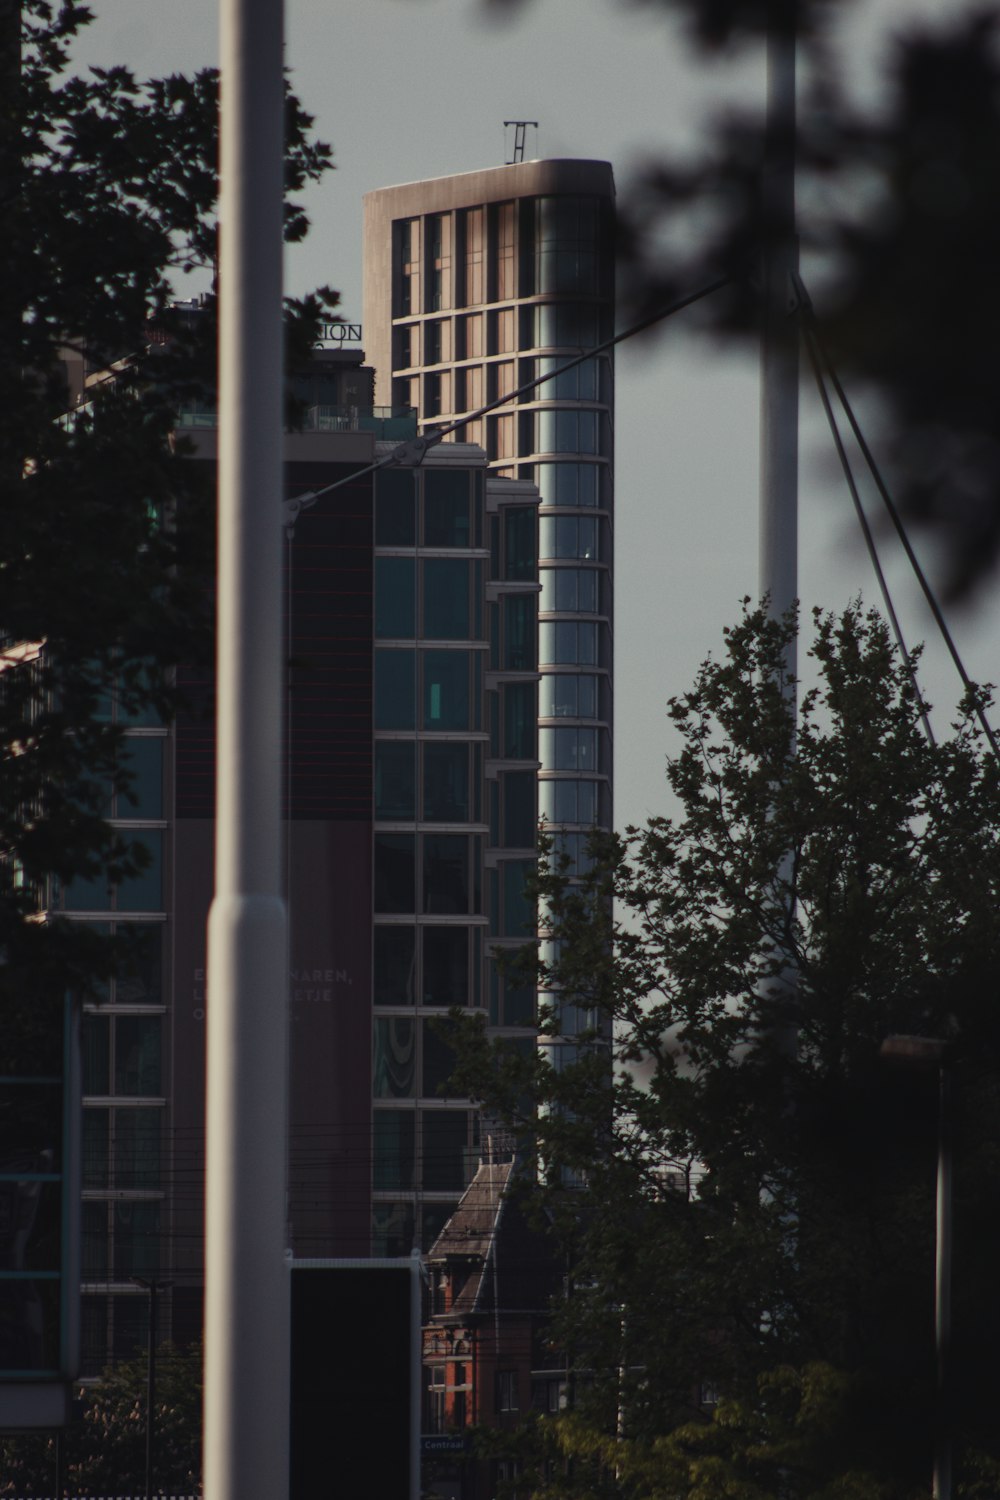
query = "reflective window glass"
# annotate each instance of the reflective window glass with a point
(446, 887)
(394, 965)
(137, 1055)
(446, 690)
(519, 721)
(577, 384)
(566, 323)
(392, 1229)
(139, 980)
(137, 1148)
(395, 779)
(136, 1239)
(446, 783)
(395, 507)
(520, 529)
(518, 905)
(445, 1137)
(446, 508)
(395, 598)
(519, 817)
(96, 1048)
(94, 1246)
(519, 616)
(395, 689)
(569, 590)
(446, 965)
(568, 484)
(394, 1063)
(569, 749)
(438, 1062)
(568, 641)
(569, 536)
(394, 882)
(395, 1143)
(144, 891)
(446, 599)
(96, 1138)
(568, 697)
(141, 758)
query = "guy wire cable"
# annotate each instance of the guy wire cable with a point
(809, 316)
(845, 463)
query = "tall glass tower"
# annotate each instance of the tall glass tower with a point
(475, 285)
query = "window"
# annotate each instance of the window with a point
(569, 749)
(570, 590)
(520, 535)
(446, 508)
(395, 779)
(568, 801)
(570, 431)
(394, 508)
(568, 696)
(446, 884)
(446, 965)
(447, 701)
(141, 758)
(394, 1150)
(445, 598)
(394, 1058)
(577, 384)
(519, 817)
(395, 689)
(566, 324)
(519, 615)
(567, 641)
(507, 1397)
(568, 484)
(438, 1062)
(475, 259)
(568, 536)
(394, 956)
(395, 889)
(140, 892)
(446, 783)
(395, 598)
(445, 1137)
(519, 728)
(519, 918)
(406, 267)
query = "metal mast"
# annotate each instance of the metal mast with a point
(247, 1279)
(779, 406)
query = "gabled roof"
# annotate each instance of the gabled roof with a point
(470, 1231)
(497, 1262)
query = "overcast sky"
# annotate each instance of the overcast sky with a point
(407, 89)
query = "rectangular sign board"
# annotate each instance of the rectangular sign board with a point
(355, 1387)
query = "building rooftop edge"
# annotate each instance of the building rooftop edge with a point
(541, 167)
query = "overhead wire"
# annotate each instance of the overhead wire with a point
(810, 321)
(809, 339)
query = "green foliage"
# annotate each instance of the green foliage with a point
(104, 1453)
(758, 1199)
(108, 192)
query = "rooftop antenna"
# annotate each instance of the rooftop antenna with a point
(520, 126)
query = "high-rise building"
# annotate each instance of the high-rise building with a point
(411, 802)
(476, 285)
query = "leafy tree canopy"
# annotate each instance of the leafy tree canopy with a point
(108, 192)
(754, 1191)
(104, 1452)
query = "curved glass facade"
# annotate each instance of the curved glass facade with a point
(522, 284)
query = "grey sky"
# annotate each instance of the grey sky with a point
(406, 89)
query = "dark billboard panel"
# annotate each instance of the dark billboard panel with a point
(355, 1389)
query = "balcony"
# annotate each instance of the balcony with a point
(392, 422)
